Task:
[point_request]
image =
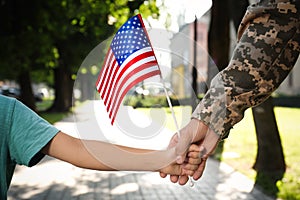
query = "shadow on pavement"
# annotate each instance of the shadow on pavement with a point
(53, 179)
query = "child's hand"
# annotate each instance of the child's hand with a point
(189, 167)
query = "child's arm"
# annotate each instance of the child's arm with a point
(105, 156)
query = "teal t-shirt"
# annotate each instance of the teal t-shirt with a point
(22, 136)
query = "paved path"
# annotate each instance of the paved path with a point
(54, 180)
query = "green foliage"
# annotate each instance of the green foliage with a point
(149, 8)
(43, 35)
(43, 105)
(53, 116)
(289, 187)
(147, 102)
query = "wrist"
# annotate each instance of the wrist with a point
(170, 157)
(198, 129)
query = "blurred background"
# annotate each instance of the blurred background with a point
(43, 45)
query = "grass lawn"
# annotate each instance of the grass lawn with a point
(51, 117)
(240, 149)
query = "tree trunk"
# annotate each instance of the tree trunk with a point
(63, 86)
(218, 43)
(237, 11)
(269, 164)
(218, 36)
(86, 84)
(194, 96)
(26, 96)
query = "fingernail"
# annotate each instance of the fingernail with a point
(202, 151)
(200, 154)
(179, 159)
(201, 148)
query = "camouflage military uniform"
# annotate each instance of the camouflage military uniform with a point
(267, 49)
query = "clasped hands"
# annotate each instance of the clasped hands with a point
(193, 145)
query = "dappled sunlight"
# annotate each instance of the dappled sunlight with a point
(124, 188)
(53, 179)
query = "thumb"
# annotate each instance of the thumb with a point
(185, 139)
(209, 144)
(181, 148)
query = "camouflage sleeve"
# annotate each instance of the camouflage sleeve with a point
(267, 49)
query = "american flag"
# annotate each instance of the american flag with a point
(130, 59)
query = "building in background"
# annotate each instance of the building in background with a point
(182, 50)
(182, 59)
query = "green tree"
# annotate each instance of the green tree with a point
(24, 44)
(55, 36)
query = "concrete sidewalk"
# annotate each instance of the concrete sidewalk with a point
(54, 180)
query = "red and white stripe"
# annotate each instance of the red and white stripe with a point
(115, 81)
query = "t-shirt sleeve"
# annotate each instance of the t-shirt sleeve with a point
(29, 134)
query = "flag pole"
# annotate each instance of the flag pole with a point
(170, 105)
(174, 118)
(166, 92)
(162, 80)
